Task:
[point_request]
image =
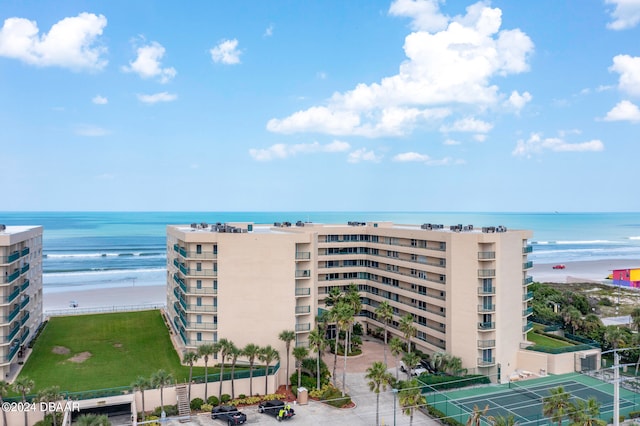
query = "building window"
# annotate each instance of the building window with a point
(199, 249)
(199, 284)
(215, 249)
(199, 337)
(215, 285)
(199, 319)
(198, 266)
(198, 301)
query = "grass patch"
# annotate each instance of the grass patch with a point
(542, 340)
(110, 350)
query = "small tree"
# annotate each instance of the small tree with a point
(411, 398)
(232, 356)
(190, 358)
(585, 413)
(159, 380)
(23, 385)
(299, 353)
(317, 343)
(411, 360)
(556, 405)
(223, 346)
(51, 394)
(287, 336)
(251, 352)
(384, 314)
(205, 351)
(379, 379)
(395, 346)
(267, 355)
(475, 419)
(141, 384)
(408, 329)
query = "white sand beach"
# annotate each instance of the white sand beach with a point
(583, 271)
(106, 297)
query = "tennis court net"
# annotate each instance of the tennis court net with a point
(526, 392)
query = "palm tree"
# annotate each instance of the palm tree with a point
(614, 336)
(454, 366)
(287, 336)
(379, 379)
(384, 314)
(395, 346)
(317, 343)
(93, 420)
(475, 418)
(408, 329)
(251, 351)
(299, 353)
(334, 296)
(352, 297)
(232, 356)
(141, 384)
(190, 358)
(556, 405)
(23, 386)
(159, 380)
(224, 346)
(411, 398)
(585, 413)
(344, 318)
(572, 317)
(410, 360)
(51, 394)
(267, 355)
(509, 420)
(205, 351)
(4, 389)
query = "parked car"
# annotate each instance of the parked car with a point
(228, 413)
(559, 266)
(414, 371)
(279, 409)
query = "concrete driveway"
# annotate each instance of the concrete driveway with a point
(364, 413)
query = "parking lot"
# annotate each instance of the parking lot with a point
(317, 413)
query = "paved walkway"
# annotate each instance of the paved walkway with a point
(364, 414)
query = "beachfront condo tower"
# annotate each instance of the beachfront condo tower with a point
(465, 287)
(21, 292)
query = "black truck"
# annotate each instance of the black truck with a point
(279, 409)
(228, 413)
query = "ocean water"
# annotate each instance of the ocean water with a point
(112, 249)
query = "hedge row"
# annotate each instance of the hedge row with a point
(437, 382)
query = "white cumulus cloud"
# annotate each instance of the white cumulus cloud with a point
(148, 63)
(226, 52)
(362, 154)
(536, 144)
(100, 100)
(157, 97)
(415, 157)
(468, 124)
(448, 68)
(629, 69)
(70, 43)
(625, 14)
(624, 111)
(517, 101)
(282, 151)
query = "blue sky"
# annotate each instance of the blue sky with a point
(404, 105)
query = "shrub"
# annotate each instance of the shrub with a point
(441, 383)
(170, 410)
(305, 381)
(213, 400)
(224, 398)
(242, 396)
(605, 301)
(434, 412)
(206, 407)
(634, 414)
(48, 420)
(196, 403)
(331, 396)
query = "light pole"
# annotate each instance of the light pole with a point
(395, 392)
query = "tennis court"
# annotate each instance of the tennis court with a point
(523, 400)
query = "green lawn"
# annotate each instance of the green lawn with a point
(123, 346)
(541, 340)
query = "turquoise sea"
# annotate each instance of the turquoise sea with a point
(110, 249)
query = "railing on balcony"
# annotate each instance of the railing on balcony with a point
(24, 302)
(201, 308)
(24, 285)
(486, 273)
(303, 291)
(303, 327)
(482, 344)
(303, 273)
(483, 326)
(486, 255)
(486, 290)
(12, 295)
(527, 265)
(527, 281)
(486, 362)
(527, 249)
(24, 319)
(527, 311)
(24, 335)
(24, 269)
(528, 327)
(486, 308)
(527, 296)
(25, 251)
(303, 255)
(13, 350)
(303, 309)
(202, 325)
(11, 258)
(12, 334)
(13, 313)
(201, 273)
(11, 277)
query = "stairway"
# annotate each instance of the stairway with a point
(184, 409)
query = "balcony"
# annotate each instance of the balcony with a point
(528, 327)
(181, 283)
(25, 251)
(201, 308)
(486, 290)
(202, 325)
(12, 295)
(201, 273)
(13, 350)
(486, 362)
(303, 309)
(527, 265)
(303, 255)
(527, 249)
(486, 326)
(527, 296)
(24, 302)
(13, 313)
(300, 328)
(24, 269)
(8, 279)
(24, 335)
(483, 344)
(483, 273)
(11, 258)
(12, 334)
(527, 281)
(527, 311)
(24, 285)
(486, 255)
(24, 319)
(303, 291)
(486, 308)
(303, 273)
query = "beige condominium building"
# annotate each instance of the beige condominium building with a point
(21, 291)
(465, 287)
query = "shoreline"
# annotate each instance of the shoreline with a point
(579, 271)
